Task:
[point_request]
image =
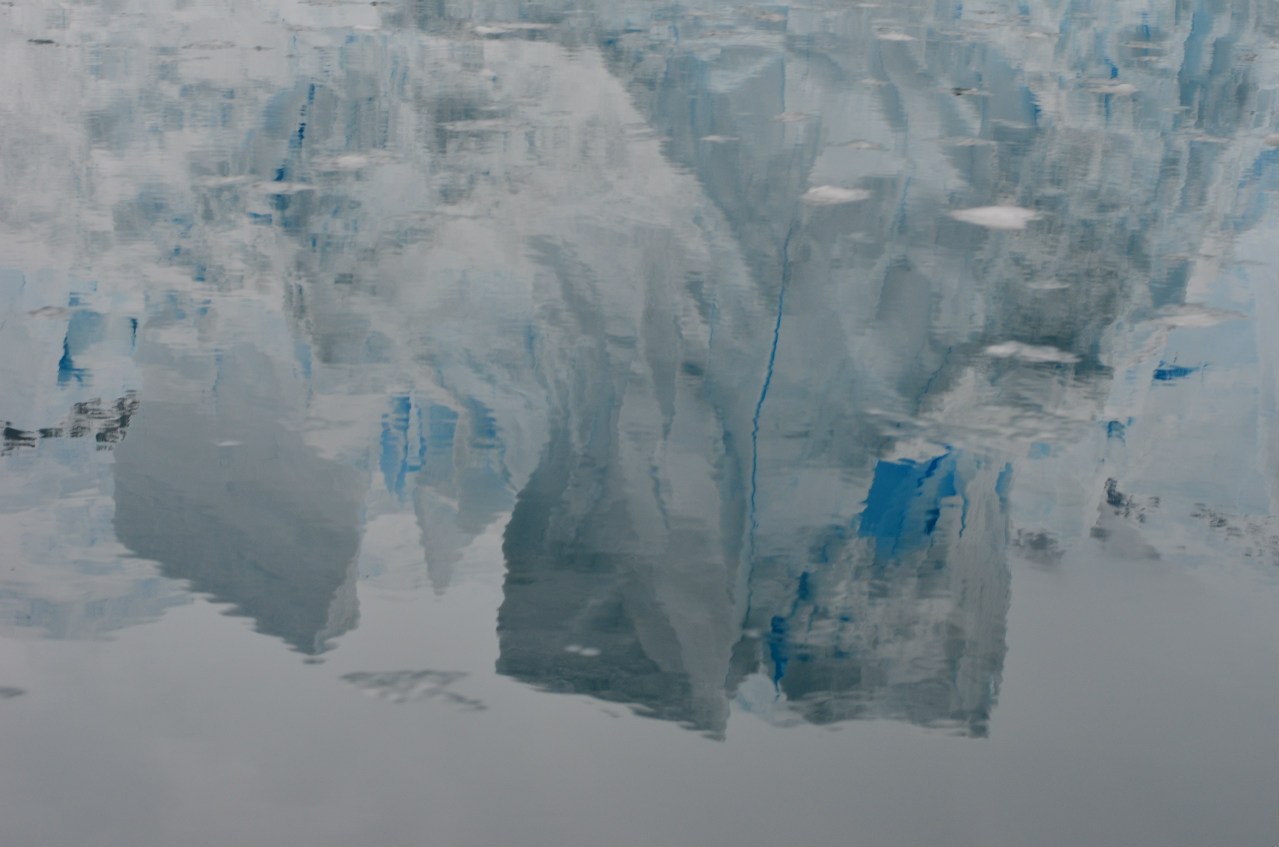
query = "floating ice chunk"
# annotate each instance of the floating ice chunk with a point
(572, 648)
(718, 139)
(589, 652)
(832, 195)
(790, 117)
(1272, 140)
(1193, 314)
(996, 217)
(208, 45)
(224, 181)
(969, 142)
(227, 443)
(497, 29)
(344, 162)
(1123, 89)
(894, 36)
(477, 125)
(273, 187)
(1031, 353)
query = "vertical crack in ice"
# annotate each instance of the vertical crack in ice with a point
(763, 392)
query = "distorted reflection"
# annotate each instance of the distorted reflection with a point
(406, 686)
(765, 335)
(220, 494)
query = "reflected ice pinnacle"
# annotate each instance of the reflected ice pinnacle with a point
(222, 496)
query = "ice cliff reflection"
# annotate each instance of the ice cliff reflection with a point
(676, 294)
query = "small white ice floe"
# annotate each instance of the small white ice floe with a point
(1271, 140)
(587, 652)
(890, 35)
(1192, 314)
(996, 217)
(227, 443)
(862, 144)
(496, 29)
(833, 195)
(790, 117)
(208, 45)
(344, 162)
(1123, 89)
(968, 142)
(718, 139)
(273, 187)
(1031, 353)
(214, 181)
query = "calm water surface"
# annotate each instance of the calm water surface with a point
(480, 423)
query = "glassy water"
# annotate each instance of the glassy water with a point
(459, 423)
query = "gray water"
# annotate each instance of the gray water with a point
(502, 424)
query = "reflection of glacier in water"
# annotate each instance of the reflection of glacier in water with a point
(225, 498)
(862, 554)
(683, 290)
(902, 617)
